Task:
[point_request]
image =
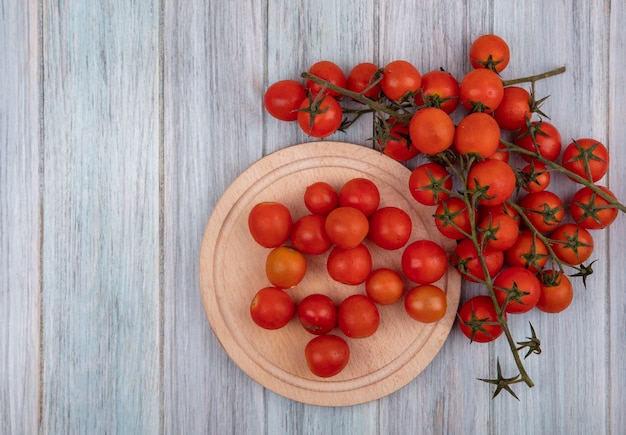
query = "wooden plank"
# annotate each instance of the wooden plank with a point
(19, 217)
(101, 301)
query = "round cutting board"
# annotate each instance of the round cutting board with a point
(232, 270)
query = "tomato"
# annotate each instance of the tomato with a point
(517, 290)
(321, 198)
(430, 183)
(498, 231)
(384, 286)
(361, 79)
(361, 194)
(329, 71)
(398, 145)
(317, 313)
(489, 51)
(320, 116)
(528, 251)
(346, 227)
(571, 243)
(283, 98)
(467, 261)
(390, 227)
(493, 180)
(540, 137)
(285, 267)
(477, 133)
(439, 89)
(481, 90)
(514, 109)
(477, 319)
(543, 209)
(556, 292)
(327, 355)
(452, 218)
(270, 223)
(308, 235)
(485, 210)
(591, 211)
(424, 261)
(358, 316)
(349, 266)
(535, 177)
(502, 153)
(399, 78)
(586, 158)
(272, 308)
(426, 303)
(431, 130)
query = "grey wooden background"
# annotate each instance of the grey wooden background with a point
(123, 122)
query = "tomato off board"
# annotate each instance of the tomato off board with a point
(232, 270)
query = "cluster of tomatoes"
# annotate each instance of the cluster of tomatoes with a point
(342, 224)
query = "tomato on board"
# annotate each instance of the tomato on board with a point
(317, 313)
(424, 261)
(430, 183)
(398, 146)
(431, 130)
(361, 79)
(489, 51)
(498, 231)
(327, 355)
(358, 316)
(571, 243)
(481, 90)
(517, 289)
(283, 98)
(346, 227)
(544, 210)
(329, 71)
(493, 180)
(477, 133)
(308, 235)
(535, 177)
(272, 308)
(529, 251)
(540, 137)
(320, 116)
(439, 89)
(477, 319)
(426, 303)
(360, 193)
(384, 286)
(270, 223)
(467, 261)
(587, 158)
(590, 210)
(390, 227)
(285, 267)
(321, 198)
(399, 78)
(452, 218)
(556, 292)
(349, 266)
(514, 109)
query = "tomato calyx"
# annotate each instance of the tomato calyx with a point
(585, 155)
(503, 383)
(532, 343)
(584, 271)
(478, 324)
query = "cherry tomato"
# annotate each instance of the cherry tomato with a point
(321, 198)
(308, 235)
(502, 153)
(270, 223)
(535, 177)
(362, 78)
(485, 210)
(349, 266)
(390, 227)
(493, 180)
(426, 303)
(399, 78)
(320, 117)
(477, 319)
(431, 130)
(540, 137)
(439, 89)
(360, 193)
(467, 261)
(430, 183)
(489, 51)
(452, 218)
(518, 288)
(528, 251)
(358, 316)
(498, 231)
(399, 146)
(272, 308)
(514, 109)
(327, 355)
(346, 227)
(571, 243)
(586, 158)
(556, 292)
(481, 90)
(384, 286)
(317, 313)
(424, 261)
(591, 211)
(477, 133)
(283, 98)
(285, 267)
(329, 71)
(543, 209)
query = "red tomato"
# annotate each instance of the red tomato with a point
(321, 198)
(308, 235)
(384, 286)
(493, 180)
(330, 72)
(452, 218)
(502, 153)
(358, 316)
(430, 183)
(528, 251)
(517, 290)
(543, 209)
(481, 90)
(271, 308)
(542, 138)
(390, 227)
(586, 158)
(349, 266)
(467, 260)
(431, 130)
(498, 231)
(439, 89)
(317, 313)
(426, 303)
(485, 210)
(320, 117)
(346, 227)
(477, 133)
(591, 211)
(477, 318)
(285, 267)
(398, 146)
(514, 109)
(489, 51)
(327, 355)
(361, 79)
(572, 244)
(399, 78)
(361, 194)
(556, 292)
(424, 262)
(535, 177)
(282, 99)
(270, 223)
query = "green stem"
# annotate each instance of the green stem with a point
(534, 78)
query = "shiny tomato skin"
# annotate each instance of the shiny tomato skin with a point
(317, 313)
(327, 355)
(424, 261)
(587, 158)
(400, 77)
(430, 183)
(452, 218)
(467, 261)
(384, 286)
(528, 251)
(390, 227)
(522, 285)
(514, 109)
(439, 88)
(270, 223)
(431, 130)
(498, 231)
(556, 292)
(308, 235)
(346, 227)
(481, 90)
(535, 177)
(495, 175)
(477, 133)
(572, 244)
(271, 308)
(398, 146)
(360, 193)
(544, 210)
(329, 71)
(489, 51)
(324, 123)
(349, 266)
(283, 98)
(479, 309)
(590, 211)
(361, 78)
(547, 138)
(358, 316)
(285, 267)
(321, 198)
(426, 303)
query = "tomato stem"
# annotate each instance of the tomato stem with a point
(534, 78)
